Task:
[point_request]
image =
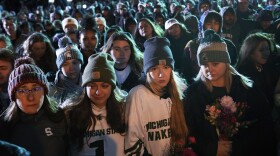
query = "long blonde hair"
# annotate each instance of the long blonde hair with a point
(175, 89)
(247, 83)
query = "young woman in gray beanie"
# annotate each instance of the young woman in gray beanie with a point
(219, 82)
(154, 111)
(32, 120)
(95, 119)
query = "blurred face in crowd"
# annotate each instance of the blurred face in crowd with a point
(145, 29)
(172, 7)
(265, 24)
(70, 28)
(175, 31)
(212, 24)
(2, 44)
(88, 40)
(160, 75)
(204, 7)
(30, 97)
(261, 53)
(160, 21)
(101, 28)
(229, 18)
(5, 70)
(9, 26)
(71, 69)
(120, 52)
(37, 50)
(189, 6)
(243, 5)
(141, 9)
(99, 93)
(215, 73)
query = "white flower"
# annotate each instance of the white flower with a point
(227, 102)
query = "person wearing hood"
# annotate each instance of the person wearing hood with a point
(209, 20)
(236, 29)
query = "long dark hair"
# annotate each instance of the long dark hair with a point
(136, 57)
(80, 116)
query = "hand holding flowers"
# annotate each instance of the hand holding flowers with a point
(225, 114)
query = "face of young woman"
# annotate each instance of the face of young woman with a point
(2, 44)
(30, 97)
(261, 54)
(212, 24)
(38, 50)
(99, 93)
(145, 29)
(121, 53)
(5, 70)
(175, 31)
(215, 73)
(88, 40)
(71, 69)
(160, 75)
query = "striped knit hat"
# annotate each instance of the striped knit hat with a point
(212, 48)
(25, 71)
(67, 53)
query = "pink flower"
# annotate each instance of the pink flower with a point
(225, 114)
(227, 102)
(192, 140)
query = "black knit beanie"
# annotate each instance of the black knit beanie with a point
(25, 71)
(212, 48)
(157, 52)
(100, 68)
(67, 53)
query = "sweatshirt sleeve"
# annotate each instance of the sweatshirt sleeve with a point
(134, 119)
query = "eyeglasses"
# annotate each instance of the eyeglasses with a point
(26, 92)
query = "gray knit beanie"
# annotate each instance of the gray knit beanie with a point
(67, 53)
(100, 68)
(212, 48)
(157, 52)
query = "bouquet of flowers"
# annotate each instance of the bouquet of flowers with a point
(225, 114)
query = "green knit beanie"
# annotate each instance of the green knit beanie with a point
(100, 68)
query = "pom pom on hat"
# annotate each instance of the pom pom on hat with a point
(67, 53)
(100, 68)
(64, 42)
(25, 71)
(157, 51)
(212, 48)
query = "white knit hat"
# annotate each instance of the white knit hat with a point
(69, 20)
(100, 20)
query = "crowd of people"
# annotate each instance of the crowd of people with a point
(152, 77)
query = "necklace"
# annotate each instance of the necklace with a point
(259, 68)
